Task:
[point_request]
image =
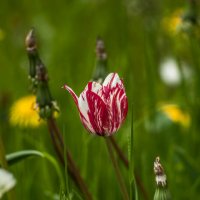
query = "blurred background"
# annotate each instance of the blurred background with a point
(153, 45)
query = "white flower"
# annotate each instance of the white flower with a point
(171, 74)
(7, 181)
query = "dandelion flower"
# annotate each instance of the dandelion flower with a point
(173, 23)
(24, 112)
(181, 23)
(176, 114)
(7, 181)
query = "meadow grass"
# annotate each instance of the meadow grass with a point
(137, 40)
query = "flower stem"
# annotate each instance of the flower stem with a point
(39, 77)
(119, 151)
(54, 139)
(117, 170)
(3, 162)
(132, 179)
(126, 163)
(72, 168)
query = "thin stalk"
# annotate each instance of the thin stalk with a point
(66, 173)
(44, 100)
(126, 163)
(56, 145)
(3, 162)
(119, 151)
(78, 177)
(72, 168)
(117, 170)
(132, 181)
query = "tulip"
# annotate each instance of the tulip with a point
(102, 108)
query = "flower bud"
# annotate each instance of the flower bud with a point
(30, 41)
(39, 79)
(101, 61)
(161, 192)
(44, 99)
(31, 47)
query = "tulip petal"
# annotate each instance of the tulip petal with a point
(119, 107)
(84, 109)
(73, 94)
(83, 104)
(102, 108)
(115, 98)
(94, 113)
(98, 113)
(94, 87)
(112, 80)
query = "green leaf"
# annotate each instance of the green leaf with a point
(21, 155)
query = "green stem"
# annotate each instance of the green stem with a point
(119, 151)
(44, 99)
(132, 179)
(66, 163)
(3, 162)
(117, 170)
(72, 168)
(125, 161)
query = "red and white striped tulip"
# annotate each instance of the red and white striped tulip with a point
(102, 108)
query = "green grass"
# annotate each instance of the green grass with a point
(136, 44)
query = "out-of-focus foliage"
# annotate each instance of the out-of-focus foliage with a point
(138, 40)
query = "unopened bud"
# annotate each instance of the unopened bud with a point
(100, 71)
(100, 49)
(30, 41)
(161, 178)
(161, 192)
(41, 72)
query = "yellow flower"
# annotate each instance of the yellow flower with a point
(172, 24)
(24, 112)
(176, 114)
